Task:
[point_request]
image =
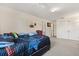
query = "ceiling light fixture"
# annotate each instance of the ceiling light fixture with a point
(54, 9)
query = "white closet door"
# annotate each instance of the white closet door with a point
(62, 29)
(75, 31)
(68, 29)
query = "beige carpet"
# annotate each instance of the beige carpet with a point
(63, 47)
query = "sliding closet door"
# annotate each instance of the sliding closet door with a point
(68, 29)
(75, 30)
(62, 29)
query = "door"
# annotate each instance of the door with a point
(62, 29)
(74, 34)
(67, 29)
(47, 30)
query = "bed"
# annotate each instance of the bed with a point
(25, 45)
(43, 46)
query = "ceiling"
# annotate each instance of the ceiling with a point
(43, 10)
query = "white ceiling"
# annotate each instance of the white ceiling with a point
(42, 10)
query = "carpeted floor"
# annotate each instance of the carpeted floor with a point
(63, 47)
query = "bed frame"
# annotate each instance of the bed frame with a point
(42, 50)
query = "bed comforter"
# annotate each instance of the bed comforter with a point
(25, 46)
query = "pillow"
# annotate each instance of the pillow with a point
(40, 32)
(14, 34)
(23, 33)
(32, 33)
(7, 38)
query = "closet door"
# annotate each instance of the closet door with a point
(75, 30)
(62, 29)
(68, 29)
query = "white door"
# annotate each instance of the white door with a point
(62, 29)
(74, 34)
(67, 30)
(47, 30)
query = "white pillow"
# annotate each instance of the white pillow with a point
(23, 33)
(32, 33)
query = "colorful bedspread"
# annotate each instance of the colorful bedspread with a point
(25, 45)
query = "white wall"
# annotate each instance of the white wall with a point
(68, 28)
(16, 21)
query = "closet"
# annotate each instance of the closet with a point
(67, 29)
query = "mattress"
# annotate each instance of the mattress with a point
(26, 45)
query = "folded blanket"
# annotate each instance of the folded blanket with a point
(10, 51)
